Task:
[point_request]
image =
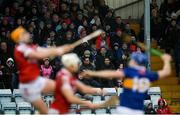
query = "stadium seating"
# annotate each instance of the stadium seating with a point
(100, 111)
(9, 108)
(112, 110)
(5, 93)
(24, 108)
(16, 93)
(110, 91)
(18, 105)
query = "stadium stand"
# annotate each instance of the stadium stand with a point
(14, 104)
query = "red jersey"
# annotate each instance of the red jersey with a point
(60, 103)
(28, 68)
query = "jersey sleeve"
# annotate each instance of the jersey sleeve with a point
(25, 50)
(65, 83)
(126, 72)
(152, 76)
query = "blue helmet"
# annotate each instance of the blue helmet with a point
(140, 58)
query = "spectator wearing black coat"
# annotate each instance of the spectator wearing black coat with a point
(101, 56)
(171, 36)
(108, 65)
(156, 26)
(119, 23)
(149, 109)
(87, 65)
(117, 54)
(5, 52)
(117, 38)
(9, 75)
(67, 39)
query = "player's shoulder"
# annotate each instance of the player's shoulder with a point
(63, 74)
(129, 70)
(21, 47)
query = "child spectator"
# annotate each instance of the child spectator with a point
(46, 69)
(149, 109)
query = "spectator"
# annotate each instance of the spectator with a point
(102, 7)
(129, 31)
(101, 56)
(171, 36)
(133, 46)
(109, 19)
(79, 20)
(96, 20)
(56, 67)
(117, 38)
(126, 53)
(108, 66)
(5, 53)
(149, 109)
(86, 65)
(67, 39)
(119, 23)
(63, 30)
(117, 54)
(103, 41)
(89, 8)
(88, 54)
(154, 5)
(163, 107)
(9, 74)
(156, 26)
(46, 69)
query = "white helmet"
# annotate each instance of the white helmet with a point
(70, 59)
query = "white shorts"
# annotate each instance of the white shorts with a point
(32, 91)
(53, 112)
(127, 111)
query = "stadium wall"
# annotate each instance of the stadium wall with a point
(135, 10)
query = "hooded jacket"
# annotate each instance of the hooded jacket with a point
(165, 109)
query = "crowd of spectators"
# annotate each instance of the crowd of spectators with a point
(165, 28)
(162, 108)
(58, 22)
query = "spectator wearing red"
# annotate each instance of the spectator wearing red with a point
(163, 107)
(103, 41)
(66, 19)
(133, 46)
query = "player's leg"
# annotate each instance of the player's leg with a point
(40, 106)
(31, 92)
(49, 86)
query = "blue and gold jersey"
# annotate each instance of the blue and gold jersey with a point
(136, 83)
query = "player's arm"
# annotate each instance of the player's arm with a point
(41, 52)
(68, 93)
(87, 89)
(107, 74)
(166, 71)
